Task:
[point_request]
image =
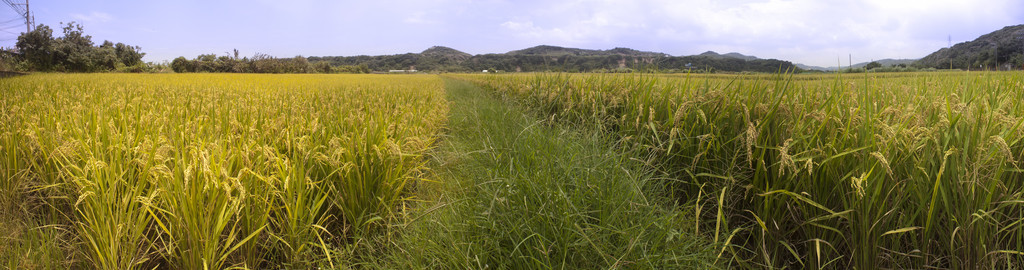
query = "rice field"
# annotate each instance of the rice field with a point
(202, 171)
(245, 171)
(864, 171)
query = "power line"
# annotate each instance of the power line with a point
(17, 7)
(12, 20)
(25, 13)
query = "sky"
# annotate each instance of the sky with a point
(813, 32)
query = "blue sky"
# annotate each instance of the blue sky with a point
(803, 31)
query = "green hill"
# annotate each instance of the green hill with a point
(554, 58)
(1002, 49)
(548, 50)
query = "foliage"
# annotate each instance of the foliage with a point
(568, 63)
(872, 65)
(259, 63)
(37, 47)
(1000, 50)
(550, 58)
(74, 51)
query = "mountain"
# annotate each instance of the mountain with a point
(808, 67)
(446, 53)
(888, 62)
(548, 50)
(554, 58)
(729, 55)
(1003, 48)
(884, 62)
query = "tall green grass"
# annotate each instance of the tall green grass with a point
(865, 171)
(515, 191)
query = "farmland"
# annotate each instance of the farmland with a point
(521, 171)
(853, 171)
(201, 171)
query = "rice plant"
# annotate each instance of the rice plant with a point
(209, 171)
(821, 171)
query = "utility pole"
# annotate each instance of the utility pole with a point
(29, 19)
(949, 45)
(27, 13)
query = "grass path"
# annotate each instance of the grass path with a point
(515, 192)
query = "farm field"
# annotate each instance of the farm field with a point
(119, 171)
(861, 171)
(512, 171)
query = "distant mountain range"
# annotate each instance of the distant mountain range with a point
(884, 62)
(1003, 48)
(546, 50)
(554, 58)
(728, 55)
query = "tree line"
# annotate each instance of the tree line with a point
(563, 63)
(259, 63)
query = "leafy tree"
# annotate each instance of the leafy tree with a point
(180, 65)
(38, 48)
(74, 48)
(128, 55)
(322, 67)
(74, 51)
(106, 57)
(872, 65)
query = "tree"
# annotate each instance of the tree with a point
(180, 65)
(37, 47)
(105, 57)
(322, 67)
(128, 55)
(872, 65)
(74, 49)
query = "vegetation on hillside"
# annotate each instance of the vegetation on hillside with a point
(1000, 50)
(552, 58)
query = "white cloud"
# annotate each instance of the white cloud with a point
(93, 17)
(813, 32)
(805, 31)
(419, 17)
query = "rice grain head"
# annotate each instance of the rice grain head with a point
(881, 160)
(785, 160)
(751, 136)
(1004, 149)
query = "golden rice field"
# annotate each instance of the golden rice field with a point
(203, 171)
(864, 171)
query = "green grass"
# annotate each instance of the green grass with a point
(515, 191)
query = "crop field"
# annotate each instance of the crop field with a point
(119, 171)
(512, 171)
(857, 171)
